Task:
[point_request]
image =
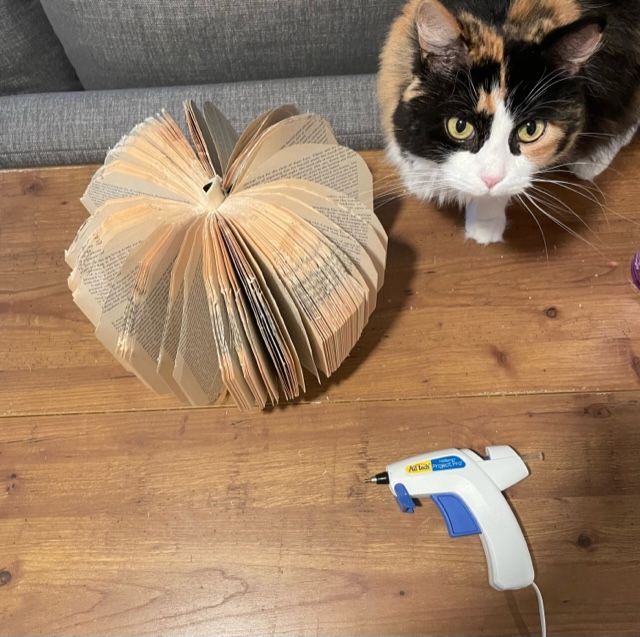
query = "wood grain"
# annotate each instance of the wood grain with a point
(124, 513)
(208, 522)
(453, 318)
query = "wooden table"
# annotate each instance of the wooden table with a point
(122, 513)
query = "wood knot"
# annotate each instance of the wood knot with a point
(551, 312)
(33, 187)
(5, 577)
(584, 542)
(502, 358)
(402, 593)
(597, 410)
(635, 365)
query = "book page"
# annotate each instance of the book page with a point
(233, 298)
(197, 368)
(299, 129)
(252, 313)
(119, 307)
(91, 281)
(162, 131)
(99, 259)
(98, 193)
(227, 357)
(201, 138)
(154, 159)
(140, 338)
(175, 301)
(293, 278)
(349, 213)
(156, 144)
(348, 289)
(222, 133)
(115, 185)
(91, 225)
(336, 167)
(277, 318)
(169, 139)
(336, 278)
(141, 157)
(251, 133)
(161, 180)
(346, 212)
(312, 274)
(239, 319)
(171, 134)
(317, 211)
(119, 215)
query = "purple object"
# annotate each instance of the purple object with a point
(635, 270)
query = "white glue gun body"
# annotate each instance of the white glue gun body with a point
(468, 491)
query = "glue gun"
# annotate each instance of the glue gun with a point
(468, 491)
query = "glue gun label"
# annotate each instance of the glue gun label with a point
(446, 463)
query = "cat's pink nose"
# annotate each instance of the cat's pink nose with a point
(492, 180)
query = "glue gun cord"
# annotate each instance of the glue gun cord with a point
(543, 621)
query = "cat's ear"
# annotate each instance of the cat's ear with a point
(570, 47)
(439, 35)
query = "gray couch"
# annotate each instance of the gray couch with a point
(75, 75)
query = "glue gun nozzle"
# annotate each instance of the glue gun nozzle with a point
(379, 478)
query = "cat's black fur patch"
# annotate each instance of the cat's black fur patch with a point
(420, 128)
(536, 91)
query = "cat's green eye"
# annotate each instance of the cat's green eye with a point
(531, 131)
(459, 129)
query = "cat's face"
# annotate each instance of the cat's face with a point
(488, 107)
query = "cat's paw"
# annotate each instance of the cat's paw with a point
(485, 220)
(486, 231)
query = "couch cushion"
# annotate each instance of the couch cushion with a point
(135, 43)
(31, 57)
(73, 128)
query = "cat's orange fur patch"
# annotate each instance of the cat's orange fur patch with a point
(488, 100)
(532, 20)
(412, 91)
(396, 73)
(484, 42)
(542, 152)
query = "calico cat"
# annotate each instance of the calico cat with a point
(479, 96)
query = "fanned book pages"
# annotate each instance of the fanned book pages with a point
(231, 265)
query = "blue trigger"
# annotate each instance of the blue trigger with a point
(459, 519)
(404, 500)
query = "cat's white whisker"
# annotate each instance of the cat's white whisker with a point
(588, 134)
(578, 189)
(535, 202)
(543, 84)
(563, 205)
(580, 163)
(544, 239)
(605, 208)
